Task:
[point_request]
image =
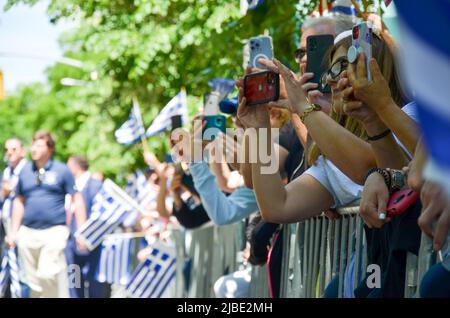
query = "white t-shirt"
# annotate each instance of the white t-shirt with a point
(343, 190)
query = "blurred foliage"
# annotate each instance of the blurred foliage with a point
(150, 48)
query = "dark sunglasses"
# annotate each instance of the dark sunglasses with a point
(334, 71)
(299, 54)
(40, 176)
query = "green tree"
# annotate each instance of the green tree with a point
(147, 48)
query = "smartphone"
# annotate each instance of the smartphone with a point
(317, 48)
(362, 39)
(211, 103)
(188, 182)
(177, 121)
(260, 47)
(214, 125)
(400, 202)
(262, 87)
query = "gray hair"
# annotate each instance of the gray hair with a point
(339, 22)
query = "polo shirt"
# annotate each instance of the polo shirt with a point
(44, 203)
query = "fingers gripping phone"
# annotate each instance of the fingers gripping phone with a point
(317, 48)
(362, 39)
(260, 47)
(400, 202)
(262, 87)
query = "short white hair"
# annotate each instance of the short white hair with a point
(339, 22)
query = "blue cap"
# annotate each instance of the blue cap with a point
(229, 105)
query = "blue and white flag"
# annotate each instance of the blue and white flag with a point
(343, 7)
(115, 259)
(176, 106)
(426, 54)
(249, 5)
(222, 85)
(111, 206)
(133, 129)
(140, 190)
(152, 278)
(9, 274)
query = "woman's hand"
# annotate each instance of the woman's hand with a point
(374, 201)
(296, 88)
(376, 93)
(256, 116)
(435, 217)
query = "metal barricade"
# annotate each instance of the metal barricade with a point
(212, 253)
(315, 252)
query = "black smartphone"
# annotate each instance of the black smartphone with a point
(317, 47)
(177, 121)
(262, 87)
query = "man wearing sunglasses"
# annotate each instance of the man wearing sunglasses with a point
(38, 222)
(14, 157)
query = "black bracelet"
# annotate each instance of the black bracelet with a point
(383, 172)
(380, 136)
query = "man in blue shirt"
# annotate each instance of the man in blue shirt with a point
(39, 219)
(87, 261)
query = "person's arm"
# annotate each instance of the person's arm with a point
(79, 209)
(352, 155)
(220, 208)
(222, 173)
(16, 219)
(376, 94)
(161, 198)
(301, 199)
(246, 168)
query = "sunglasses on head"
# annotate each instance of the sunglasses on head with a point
(334, 70)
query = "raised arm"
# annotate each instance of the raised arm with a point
(220, 208)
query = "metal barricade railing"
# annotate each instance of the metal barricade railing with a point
(319, 249)
(315, 252)
(212, 253)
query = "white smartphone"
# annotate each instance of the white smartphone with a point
(211, 104)
(362, 39)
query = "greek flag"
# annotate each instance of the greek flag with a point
(176, 106)
(222, 85)
(154, 275)
(343, 7)
(133, 129)
(111, 206)
(9, 273)
(426, 54)
(115, 259)
(140, 190)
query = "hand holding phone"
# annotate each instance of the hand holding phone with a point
(362, 39)
(262, 87)
(260, 47)
(317, 47)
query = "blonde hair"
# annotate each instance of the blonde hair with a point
(386, 62)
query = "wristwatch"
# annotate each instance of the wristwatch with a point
(311, 108)
(398, 179)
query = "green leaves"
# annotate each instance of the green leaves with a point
(150, 48)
